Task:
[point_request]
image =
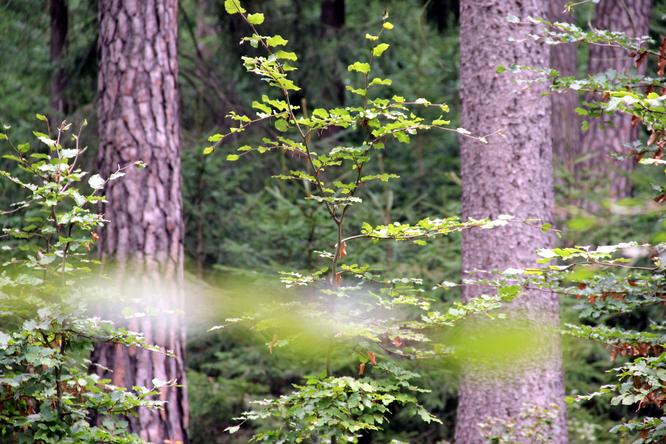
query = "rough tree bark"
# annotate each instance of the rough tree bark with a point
(564, 120)
(57, 46)
(599, 168)
(138, 114)
(511, 175)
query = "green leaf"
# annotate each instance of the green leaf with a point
(359, 67)
(233, 7)
(281, 125)
(286, 55)
(69, 153)
(388, 25)
(116, 175)
(215, 138)
(378, 81)
(41, 117)
(320, 113)
(276, 40)
(440, 122)
(500, 69)
(357, 91)
(232, 429)
(96, 182)
(379, 49)
(255, 19)
(208, 150)
(371, 37)
(261, 107)
(47, 141)
(232, 157)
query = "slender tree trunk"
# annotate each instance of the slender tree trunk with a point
(631, 17)
(332, 18)
(511, 175)
(58, 44)
(564, 120)
(138, 115)
(204, 30)
(440, 11)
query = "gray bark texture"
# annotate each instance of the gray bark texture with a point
(138, 114)
(564, 120)
(511, 175)
(599, 168)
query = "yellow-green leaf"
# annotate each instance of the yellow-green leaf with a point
(232, 157)
(255, 19)
(233, 6)
(359, 67)
(379, 49)
(388, 25)
(276, 40)
(286, 55)
(320, 113)
(208, 150)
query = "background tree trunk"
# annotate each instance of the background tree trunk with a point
(332, 18)
(632, 18)
(57, 46)
(511, 175)
(138, 115)
(564, 120)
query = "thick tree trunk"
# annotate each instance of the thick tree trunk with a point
(599, 168)
(138, 115)
(564, 120)
(58, 44)
(511, 175)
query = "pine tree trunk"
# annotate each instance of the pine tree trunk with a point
(599, 169)
(138, 115)
(511, 175)
(57, 45)
(564, 120)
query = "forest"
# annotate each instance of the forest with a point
(332, 221)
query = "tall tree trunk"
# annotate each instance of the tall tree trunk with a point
(204, 30)
(511, 175)
(440, 12)
(58, 44)
(564, 120)
(332, 18)
(632, 18)
(138, 115)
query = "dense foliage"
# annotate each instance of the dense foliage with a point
(47, 393)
